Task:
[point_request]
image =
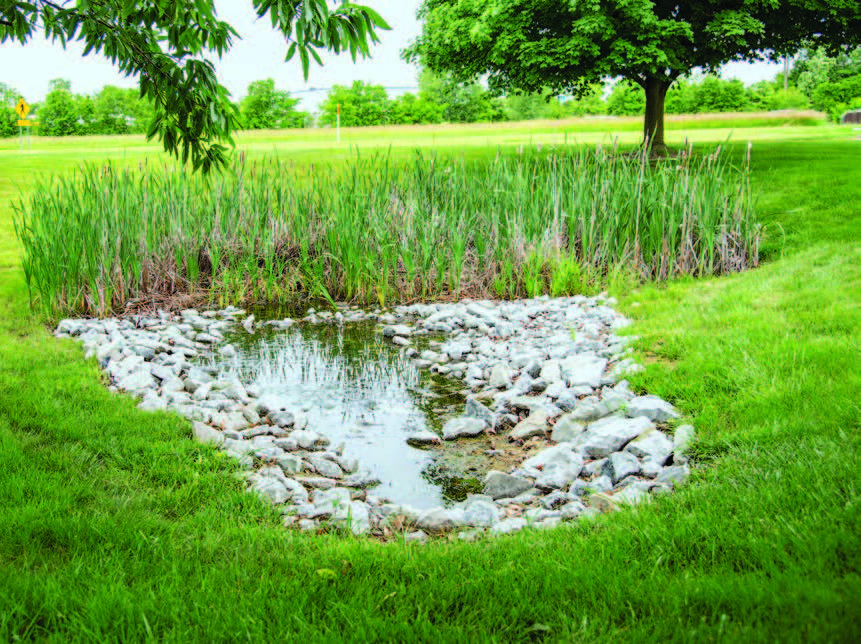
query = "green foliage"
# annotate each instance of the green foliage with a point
(709, 94)
(443, 99)
(462, 102)
(565, 47)
(770, 95)
(626, 99)
(527, 107)
(680, 98)
(58, 115)
(361, 104)
(265, 108)
(831, 83)
(112, 111)
(714, 94)
(837, 97)
(84, 108)
(8, 117)
(814, 67)
(120, 111)
(567, 277)
(409, 109)
(8, 122)
(589, 103)
(166, 43)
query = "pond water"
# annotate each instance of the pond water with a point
(356, 388)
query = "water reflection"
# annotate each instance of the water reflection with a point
(354, 389)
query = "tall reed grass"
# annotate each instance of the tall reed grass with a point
(378, 229)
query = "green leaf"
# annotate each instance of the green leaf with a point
(303, 56)
(167, 44)
(376, 18)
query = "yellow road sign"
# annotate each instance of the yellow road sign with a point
(24, 123)
(22, 108)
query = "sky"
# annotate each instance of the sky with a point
(258, 55)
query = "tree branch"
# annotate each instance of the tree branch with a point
(149, 56)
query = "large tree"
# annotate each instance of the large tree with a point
(168, 45)
(529, 45)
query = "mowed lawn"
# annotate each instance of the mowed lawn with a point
(117, 527)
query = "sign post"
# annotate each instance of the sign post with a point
(22, 109)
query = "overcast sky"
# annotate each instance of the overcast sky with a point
(259, 55)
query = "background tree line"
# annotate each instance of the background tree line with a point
(828, 84)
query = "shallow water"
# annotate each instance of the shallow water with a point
(355, 388)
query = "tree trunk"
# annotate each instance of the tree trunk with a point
(653, 128)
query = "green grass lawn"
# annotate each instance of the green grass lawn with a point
(117, 527)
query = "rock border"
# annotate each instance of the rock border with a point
(544, 373)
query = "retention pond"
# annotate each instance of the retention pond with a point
(359, 391)
(429, 417)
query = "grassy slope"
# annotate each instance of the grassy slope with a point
(118, 527)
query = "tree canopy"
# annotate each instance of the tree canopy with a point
(168, 45)
(267, 108)
(530, 45)
(8, 117)
(58, 115)
(832, 84)
(361, 104)
(466, 102)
